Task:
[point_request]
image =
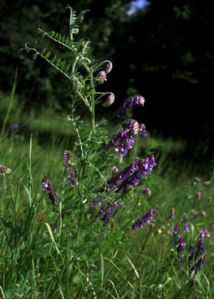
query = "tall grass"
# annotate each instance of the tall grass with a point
(47, 255)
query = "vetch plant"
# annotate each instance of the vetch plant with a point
(85, 75)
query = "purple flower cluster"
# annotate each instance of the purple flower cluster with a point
(129, 103)
(199, 248)
(198, 265)
(131, 175)
(125, 139)
(69, 168)
(146, 219)
(181, 244)
(48, 188)
(106, 209)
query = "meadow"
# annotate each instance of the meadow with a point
(93, 208)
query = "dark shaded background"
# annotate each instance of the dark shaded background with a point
(164, 51)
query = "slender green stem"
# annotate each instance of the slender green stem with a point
(92, 106)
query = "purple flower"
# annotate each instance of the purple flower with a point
(129, 103)
(101, 76)
(125, 139)
(175, 230)
(204, 233)
(142, 129)
(181, 244)
(48, 188)
(67, 157)
(199, 248)
(69, 168)
(198, 265)
(106, 209)
(131, 175)
(146, 219)
(147, 191)
(94, 203)
(172, 214)
(123, 142)
(14, 126)
(110, 99)
(4, 170)
(114, 170)
(186, 228)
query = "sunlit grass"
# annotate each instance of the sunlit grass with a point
(84, 258)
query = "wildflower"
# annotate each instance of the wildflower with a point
(69, 168)
(14, 126)
(123, 142)
(94, 203)
(146, 219)
(181, 244)
(198, 265)
(204, 233)
(106, 209)
(101, 76)
(186, 228)
(67, 157)
(199, 248)
(4, 170)
(114, 170)
(147, 191)
(175, 229)
(48, 187)
(131, 175)
(125, 139)
(129, 103)
(110, 99)
(172, 214)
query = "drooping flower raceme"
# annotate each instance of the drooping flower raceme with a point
(146, 219)
(198, 265)
(131, 175)
(125, 139)
(129, 103)
(48, 188)
(106, 209)
(181, 244)
(199, 248)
